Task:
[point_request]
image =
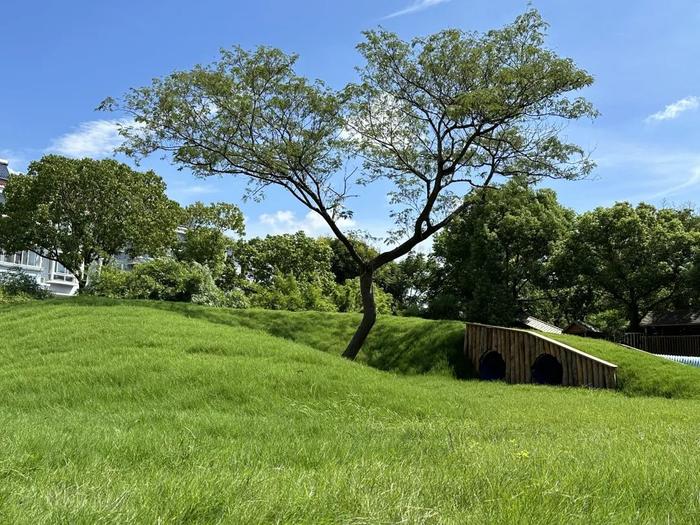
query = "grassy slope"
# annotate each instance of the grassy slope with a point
(402, 344)
(639, 373)
(410, 345)
(128, 413)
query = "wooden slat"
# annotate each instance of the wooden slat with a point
(520, 348)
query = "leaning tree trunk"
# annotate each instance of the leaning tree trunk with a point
(369, 316)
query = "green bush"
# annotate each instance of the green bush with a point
(17, 285)
(349, 299)
(165, 280)
(285, 292)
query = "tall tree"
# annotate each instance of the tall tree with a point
(206, 237)
(494, 254)
(433, 118)
(80, 211)
(639, 257)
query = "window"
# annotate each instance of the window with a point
(60, 273)
(25, 258)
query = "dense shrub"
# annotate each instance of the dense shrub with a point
(172, 280)
(165, 280)
(285, 292)
(348, 298)
(19, 286)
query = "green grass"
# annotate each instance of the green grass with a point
(127, 413)
(410, 346)
(639, 373)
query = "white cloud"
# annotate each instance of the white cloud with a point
(673, 110)
(417, 5)
(95, 138)
(286, 221)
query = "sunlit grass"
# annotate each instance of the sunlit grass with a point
(126, 413)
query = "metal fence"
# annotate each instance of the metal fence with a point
(677, 345)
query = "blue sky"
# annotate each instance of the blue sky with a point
(59, 59)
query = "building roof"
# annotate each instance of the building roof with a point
(538, 324)
(672, 318)
(588, 327)
(4, 171)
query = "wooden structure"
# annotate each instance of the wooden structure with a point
(521, 356)
(671, 323)
(583, 329)
(681, 345)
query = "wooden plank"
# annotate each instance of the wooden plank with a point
(579, 371)
(589, 373)
(517, 357)
(598, 382)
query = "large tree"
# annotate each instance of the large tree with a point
(80, 211)
(494, 255)
(640, 258)
(431, 118)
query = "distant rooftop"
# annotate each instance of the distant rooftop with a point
(4, 171)
(672, 318)
(539, 324)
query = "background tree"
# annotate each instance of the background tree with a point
(639, 257)
(432, 118)
(296, 254)
(494, 255)
(80, 211)
(206, 238)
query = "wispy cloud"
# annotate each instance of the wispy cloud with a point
(286, 221)
(95, 138)
(645, 173)
(417, 5)
(673, 110)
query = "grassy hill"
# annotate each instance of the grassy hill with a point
(411, 345)
(139, 413)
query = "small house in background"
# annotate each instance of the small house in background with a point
(678, 322)
(532, 323)
(583, 330)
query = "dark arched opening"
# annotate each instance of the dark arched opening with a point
(492, 367)
(547, 370)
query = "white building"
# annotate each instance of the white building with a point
(50, 274)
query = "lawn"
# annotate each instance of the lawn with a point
(140, 413)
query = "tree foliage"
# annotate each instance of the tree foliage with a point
(494, 256)
(79, 211)
(433, 117)
(206, 236)
(639, 257)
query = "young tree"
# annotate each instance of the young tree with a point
(78, 211)
(433, 118)
(494, 254)
(205, 240)
(640, 257)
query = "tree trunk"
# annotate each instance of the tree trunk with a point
(634, 318)
(369, 316)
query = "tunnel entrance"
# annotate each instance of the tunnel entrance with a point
(547, 370)
(492, 367)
